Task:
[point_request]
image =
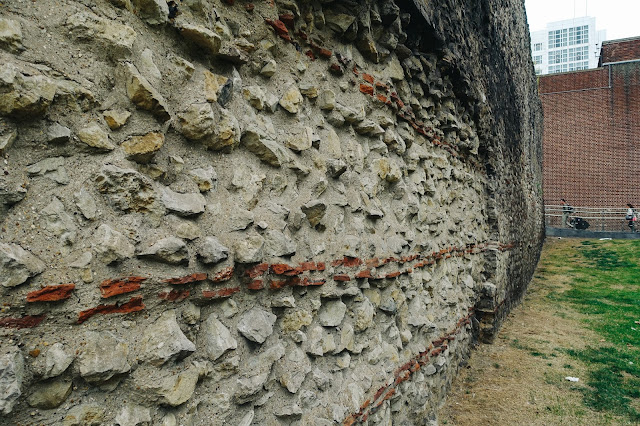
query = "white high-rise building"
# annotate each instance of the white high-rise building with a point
(569, 45)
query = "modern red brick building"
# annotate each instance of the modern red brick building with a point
(591, 145)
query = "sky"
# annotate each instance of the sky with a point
(621, 18)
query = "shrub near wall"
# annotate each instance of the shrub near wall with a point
(272, 213)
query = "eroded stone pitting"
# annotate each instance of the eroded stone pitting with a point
(281, 212)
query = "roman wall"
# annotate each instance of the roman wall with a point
(279, 212)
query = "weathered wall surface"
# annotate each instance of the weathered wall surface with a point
(273, 213)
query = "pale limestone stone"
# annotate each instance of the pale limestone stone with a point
(183, 68)
(57, 133)
(226, 134)
(205, 178)
(111, 246)
(256, 372)
(292, 369)
(115, 119)
(10, 35)
(250, 249)
(212, 85)
(260, 139)
(217, 338)
(7, 139)
(269, 69)
(197, 122)
(127, 189)
(17, 265)
(309, 90)
(84, 415)
(315, 211)
(24, 96)
(189, 204)
(326, 100)
(142, 149)
(300, 139)
(332, 313)
(143, 95)
(277, 244)
(178, 389)
(169, 250)
(56, 220)
(133, 415)
(202, 37)
(86, 204)
(255, 96)
(363, 315)
(256, 325)
(294, 320)
(164, 341)
(291, 100)
(116, 38)
(57, 360)
(50, 395)
(153, 12)
(102, 357)
(95, 137)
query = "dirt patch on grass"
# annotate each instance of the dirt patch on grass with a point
(520, 379)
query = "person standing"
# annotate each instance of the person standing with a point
(566, 212)
(631, 217)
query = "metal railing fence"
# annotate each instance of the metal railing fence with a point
(599, 218)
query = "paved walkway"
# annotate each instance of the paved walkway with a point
(576, 233)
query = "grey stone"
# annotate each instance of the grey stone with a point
(260, 139)
(11, 378)
(217, 338)
(57, 133)
(133, 415)
(103, 356)
(127, 189)
(10, 35)
(315, 211)
(319, 342)
(57, 221)
(17, 265)
(144, 95)
(277, 244)
(164, 341)
(85, 415)
(205, 178)
(250, 249)
(7, 138)
(338, 22)
(153, 12)
(256, 325)
(86, 203)
(293, 410)
(336, 168)
(189, 204)
(111, 246)
(211, 251)
(256, 371)
(292, 369)
(201, 36)
(57, 360)
(332, 313)
(240, 220)
(226, 134)
(170, 250)
(50, 395)
(51, 168)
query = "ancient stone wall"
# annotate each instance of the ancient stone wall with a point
(281, 212)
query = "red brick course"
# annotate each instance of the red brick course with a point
(52, 293)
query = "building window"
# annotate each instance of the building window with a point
(537, 47)
(579, 35)
(579, 66)
(558, 68)
(558, 56)
(537, 60)
(578, 53)
(557, 38)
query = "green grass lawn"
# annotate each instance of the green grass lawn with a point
(605, 286)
